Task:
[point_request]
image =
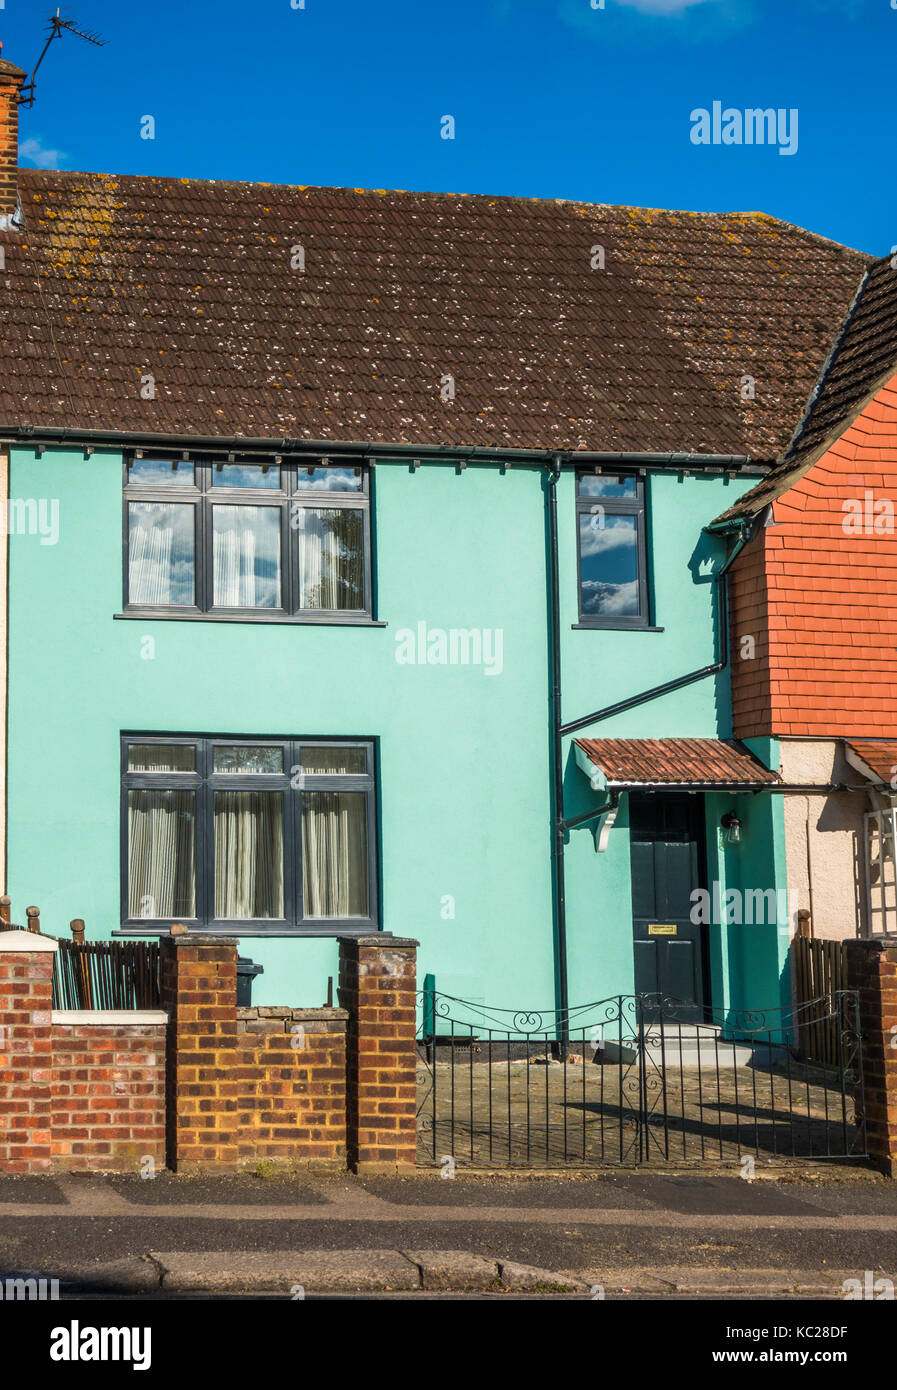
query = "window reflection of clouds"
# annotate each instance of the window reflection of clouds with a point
(328, 480)
(616, 533)
(610, 600)
(245, 475)
(160, 553)
(606, 485)
(160, 472)
(246, 556)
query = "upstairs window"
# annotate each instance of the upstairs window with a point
(247, 540)
(610, 518)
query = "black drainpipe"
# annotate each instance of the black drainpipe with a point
(557, 762)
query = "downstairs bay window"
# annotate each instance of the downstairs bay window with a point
(250, 836)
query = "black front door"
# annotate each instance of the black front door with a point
(666, 838)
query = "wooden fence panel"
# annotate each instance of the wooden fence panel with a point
(820, 970)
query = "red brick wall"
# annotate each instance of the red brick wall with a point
(290, 1086)
(377, 984)
(108, 1109)
(250, 1085)
(215, 1088)
(199, 992)
(872, 972)
(829, 598)
(26, 1059)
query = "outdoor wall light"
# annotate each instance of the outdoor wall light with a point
(732, 826)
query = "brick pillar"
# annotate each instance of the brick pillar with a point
(26, 1051)
(872, 970)
(377, 984)
(199, 992)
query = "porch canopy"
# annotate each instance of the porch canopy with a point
(683, 764)
(876, 759)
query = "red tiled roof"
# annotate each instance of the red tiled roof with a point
(863, 358)
(819, 591)
(879, 755)
(195, 283)
(632, 762)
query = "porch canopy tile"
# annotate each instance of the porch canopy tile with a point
(875, 758)
(671, 762)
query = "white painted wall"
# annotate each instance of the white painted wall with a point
(824, 837)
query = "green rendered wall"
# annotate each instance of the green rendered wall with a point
(464, 757)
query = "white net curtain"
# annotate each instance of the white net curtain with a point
(248, 854)
(161, 854)
(247, 836)
(330, 558)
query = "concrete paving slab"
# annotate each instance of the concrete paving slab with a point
(172, 1189)
(741, 1283)
(697, 1195)
(453, 1269)
(605, 1193)
(710, 1282)
(128, 1275)
(519, 1276)
(285, 1270)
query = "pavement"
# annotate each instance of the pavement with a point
(608, 1235)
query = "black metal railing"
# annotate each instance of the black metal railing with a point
(106, 975)
(636, 1080)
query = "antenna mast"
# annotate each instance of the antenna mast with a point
(57, 26)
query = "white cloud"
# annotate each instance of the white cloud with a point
(33, 152)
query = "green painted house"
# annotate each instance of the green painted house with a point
(358, 578)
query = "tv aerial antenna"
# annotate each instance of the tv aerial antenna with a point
(60, 23)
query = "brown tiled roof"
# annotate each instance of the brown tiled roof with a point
(879, 755)
(632, 762)
(192, 281)
(863, 359)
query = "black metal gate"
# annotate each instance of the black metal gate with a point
(633, 1079)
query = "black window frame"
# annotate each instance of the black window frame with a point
(616, 506)
(205, 782)
(202, 494)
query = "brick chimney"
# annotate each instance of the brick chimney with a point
(11, 79)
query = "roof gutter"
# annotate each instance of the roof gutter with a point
(58, 434)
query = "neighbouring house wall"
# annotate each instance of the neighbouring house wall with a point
(824, 837)
(823, 581)
(108, 1106)
(464, 771)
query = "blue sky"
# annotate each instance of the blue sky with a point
(550, 98)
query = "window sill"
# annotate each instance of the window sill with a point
(284, 619)
(614, 627)
(274, 933)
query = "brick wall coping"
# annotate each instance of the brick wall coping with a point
(97, 1018)
(283, 1011)
(26, 941)
(195, 938)
(382, 938)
